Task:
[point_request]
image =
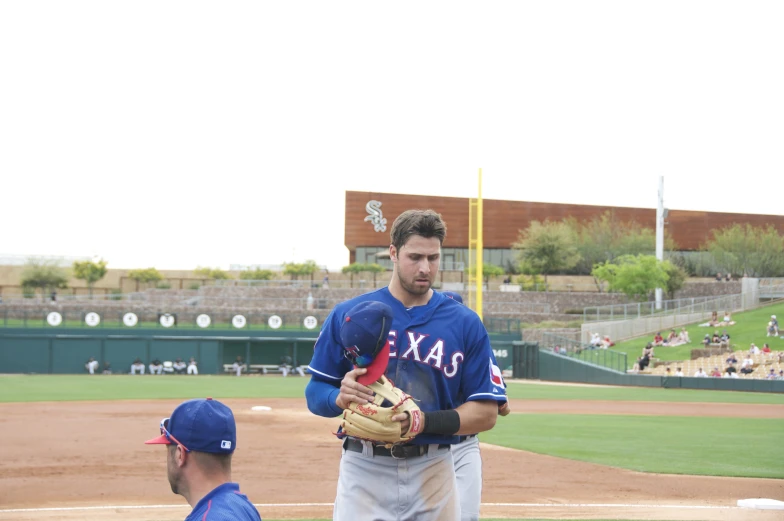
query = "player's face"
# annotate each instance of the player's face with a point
(417, 263)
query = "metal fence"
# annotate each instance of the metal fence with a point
(770, 288)
(568, 347)
(682, 306)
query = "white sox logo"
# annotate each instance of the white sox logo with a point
(376, 218)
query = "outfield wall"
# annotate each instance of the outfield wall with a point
(28, 350)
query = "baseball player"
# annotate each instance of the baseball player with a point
(200, 438)
(91, 365)
(468, 459)
(436, 350)
(193, 366)
(137, 366)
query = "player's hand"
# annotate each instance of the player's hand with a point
(504, 409)
(404, 419)
(353, 391)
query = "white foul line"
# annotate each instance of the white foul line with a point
(299, 505)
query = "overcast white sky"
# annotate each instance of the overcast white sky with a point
(176, 134)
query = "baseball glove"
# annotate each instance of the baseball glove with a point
(373, 421)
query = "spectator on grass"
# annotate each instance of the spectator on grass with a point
(156, 367)
(714, 321)
(724, 339)
(658, 340)
(716, 373)
(607, 343)
(700, 373)
(91, 365)
(683, 336)
(107, 368)
(239, 366)
(672, 338)
(728, 319)
(678, 372)
(179, 366)
(596, 340)
(715, 339)
(773, 326)
(707, 340)
(192, 366)
(137, 366)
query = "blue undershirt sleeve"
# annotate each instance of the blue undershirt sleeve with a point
(321, 398)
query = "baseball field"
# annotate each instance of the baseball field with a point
(73, 450)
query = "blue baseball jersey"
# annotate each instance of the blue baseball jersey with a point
(439, 353)
(224, 503)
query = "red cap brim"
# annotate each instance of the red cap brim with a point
(377, 367)
(160, 440)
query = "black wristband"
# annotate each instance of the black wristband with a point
(442, 422)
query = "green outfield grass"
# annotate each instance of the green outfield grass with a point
(36, 388)
(747, 447)
(749, 327)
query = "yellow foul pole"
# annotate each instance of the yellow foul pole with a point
(479, 254)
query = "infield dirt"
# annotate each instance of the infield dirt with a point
(76, 454)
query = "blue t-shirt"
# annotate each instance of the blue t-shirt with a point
(224, 503)
(439, 353)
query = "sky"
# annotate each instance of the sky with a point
(181, 134)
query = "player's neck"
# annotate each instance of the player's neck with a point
(203, 486)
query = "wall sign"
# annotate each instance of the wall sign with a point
(375, 217)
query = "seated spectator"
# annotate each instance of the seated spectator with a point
(781, 357)
(156, 367)
(658, 340)
(716, 373)
(137, 366)
(238, 366)
(679, 372)
(647, 351)
(728, 319)
(715, 339)
(724, 339)
(731, 370)
(606, 342)
(718, 277)
(672, 338)
(667, 372)
(714, 321)
(700, 373)
(753, 349)
(728, 278)
(596, 340)
(107, 368)
(707, 340)
(683, 336)
(179, 366)
(91, 365)
(731, 359)
(771, 375)
(765, 348)
(747, 367)
(781, 375)
(192, 369)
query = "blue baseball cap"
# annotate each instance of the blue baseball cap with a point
(453, 296)
(203, 425)
(364, 335)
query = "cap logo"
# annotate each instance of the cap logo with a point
(225, 444)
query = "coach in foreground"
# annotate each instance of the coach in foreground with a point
(435, 351)
(200, 438)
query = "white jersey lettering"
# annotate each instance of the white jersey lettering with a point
(392, 340)
(413, 346)
(451, 369)
(436, 353)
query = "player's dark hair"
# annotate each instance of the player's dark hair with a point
(426, 223)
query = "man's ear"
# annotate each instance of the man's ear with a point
(181, 455)
(392, 253)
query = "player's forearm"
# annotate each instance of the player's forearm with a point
(321, 398)
(477, 416)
